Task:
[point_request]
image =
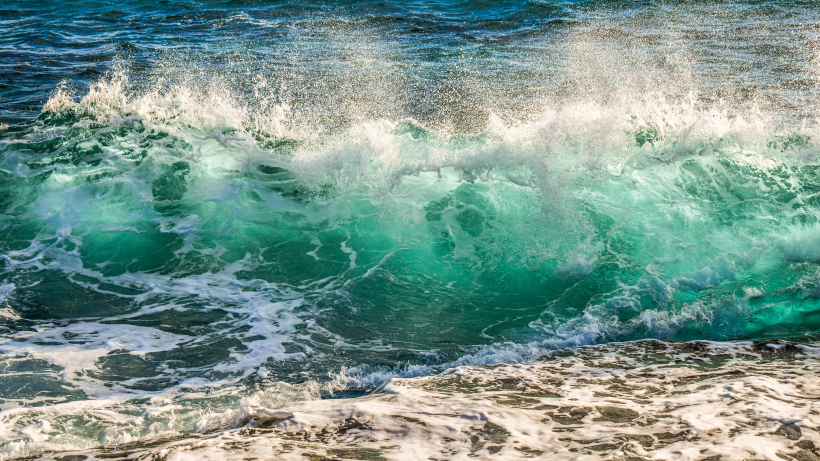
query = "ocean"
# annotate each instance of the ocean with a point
(410, 230)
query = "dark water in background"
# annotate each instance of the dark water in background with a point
(213, 205)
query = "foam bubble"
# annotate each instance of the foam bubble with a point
(645, 399)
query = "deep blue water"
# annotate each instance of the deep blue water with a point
(202, 201)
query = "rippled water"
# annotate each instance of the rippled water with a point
(214, 208)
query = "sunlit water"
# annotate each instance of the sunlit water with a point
(213, 209)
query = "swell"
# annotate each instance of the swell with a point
(183, 251)
(223, 209)
(583, 188)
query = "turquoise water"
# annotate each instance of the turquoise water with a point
(205, 203)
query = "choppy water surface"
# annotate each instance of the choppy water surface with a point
(217, 208)
(630, 401)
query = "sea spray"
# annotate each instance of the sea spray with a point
(222, 210)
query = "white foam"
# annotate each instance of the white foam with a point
(89, 342)
(5, 290)
(616, 401)
(801, 243)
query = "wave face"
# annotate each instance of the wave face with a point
(206, 209)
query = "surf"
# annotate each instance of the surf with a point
(207, 238)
